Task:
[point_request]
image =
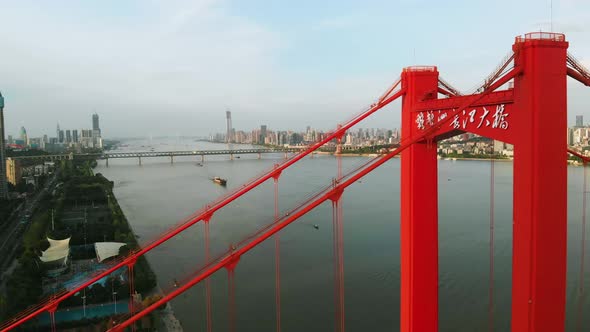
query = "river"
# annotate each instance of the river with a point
(158, 195)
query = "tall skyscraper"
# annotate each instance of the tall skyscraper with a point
(60, 136)
(68, 136)
(579, 121)
(75, 135)
(23, 136)
(262, 134)
(95, 123)
(3, 185)
(228, 136)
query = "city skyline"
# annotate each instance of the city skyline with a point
(314, 64)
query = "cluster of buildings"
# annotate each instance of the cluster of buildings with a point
(264, 135)
(461, 145)
(13, 171)
(467, 145)
(579, 136)
(64, 140)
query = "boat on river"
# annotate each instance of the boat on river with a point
(220, 181)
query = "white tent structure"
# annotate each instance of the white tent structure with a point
(106, 250)
(55, 258)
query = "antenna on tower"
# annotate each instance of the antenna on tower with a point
(551, 13)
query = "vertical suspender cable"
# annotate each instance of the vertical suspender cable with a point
(232, 298)
(52, 319)
(336, 279)
(580, 318)
(277, 260)
(338, 248)
(491, 271)
(208, 280)
(131, 292)
(340, 262)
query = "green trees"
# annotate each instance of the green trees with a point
(24, 285)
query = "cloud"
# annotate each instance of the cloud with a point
(178, 57)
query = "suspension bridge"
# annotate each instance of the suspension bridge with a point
(522, 102)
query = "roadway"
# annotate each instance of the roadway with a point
(11, 237)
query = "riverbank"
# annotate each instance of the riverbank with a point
(372, 155)
(164, 319)
(82, 210)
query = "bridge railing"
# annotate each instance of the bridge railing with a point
(541, 35)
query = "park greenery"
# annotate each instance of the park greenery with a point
(78, 189)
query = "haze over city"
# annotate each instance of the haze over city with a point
(174, 67)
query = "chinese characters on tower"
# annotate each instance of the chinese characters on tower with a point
(478, 118)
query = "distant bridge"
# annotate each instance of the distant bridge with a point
(151, 154)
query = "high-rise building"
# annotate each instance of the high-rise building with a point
(13, 171)
(60, 136)
(75, 135)
(228, 136)
(95, 123)
(262, 134)
(570, 136)
(3, 184)
(23, 136)
(68, 136)
(579, 121)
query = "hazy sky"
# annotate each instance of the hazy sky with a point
(169, 67)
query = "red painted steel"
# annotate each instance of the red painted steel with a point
(494, 98)
(540, 183)
(578, 77)
(579, 155)
(419, 212)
